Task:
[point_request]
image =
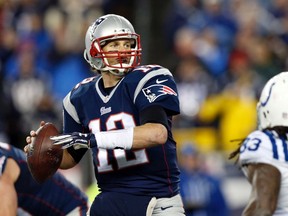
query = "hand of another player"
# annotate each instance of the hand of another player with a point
(76, 139)
(32, 135)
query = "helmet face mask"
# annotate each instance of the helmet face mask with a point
(104, 30)
(272, 108)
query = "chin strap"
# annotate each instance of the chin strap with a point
(116, 72)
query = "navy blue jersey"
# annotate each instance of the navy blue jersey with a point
(89, 108)
(56, 196)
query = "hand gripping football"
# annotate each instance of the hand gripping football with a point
(43, 157)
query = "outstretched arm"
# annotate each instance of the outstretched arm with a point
(152, 131)
(144, 136)
(265, 180)
(149, 134)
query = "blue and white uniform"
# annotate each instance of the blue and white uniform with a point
(151, 172)
(266, 147)
(56, 196)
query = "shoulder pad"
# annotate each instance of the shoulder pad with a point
(261, 147)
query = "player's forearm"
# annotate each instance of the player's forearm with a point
(144, 136)
(256, 211)
(8, 210)
(8, 205)
(148, 135)
(265, 180)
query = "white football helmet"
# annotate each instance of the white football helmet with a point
(104, 29)
(272, 107)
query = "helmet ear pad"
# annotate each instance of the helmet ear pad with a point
(93, 50)
(95, 56)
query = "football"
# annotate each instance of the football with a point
(44, 158)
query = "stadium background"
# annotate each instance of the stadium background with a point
(221, 53)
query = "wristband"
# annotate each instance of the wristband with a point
(117, 139)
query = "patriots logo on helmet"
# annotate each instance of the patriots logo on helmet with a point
(154, 91)
(94, 26)
(99, 21)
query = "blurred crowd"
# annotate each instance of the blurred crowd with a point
(221, 53)
(224, 52)
(202, 192)
(41, 59)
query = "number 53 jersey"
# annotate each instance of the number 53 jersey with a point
(266, 147)
(90, 108)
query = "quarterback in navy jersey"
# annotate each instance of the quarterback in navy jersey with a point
(124, 116)
(263, 155)
(22, 195)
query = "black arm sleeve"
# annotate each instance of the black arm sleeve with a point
(154, 114)
(76, 154)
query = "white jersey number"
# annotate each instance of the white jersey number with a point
(120, 155)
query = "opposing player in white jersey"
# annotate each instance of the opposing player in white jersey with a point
(264, 153)
(125, 116)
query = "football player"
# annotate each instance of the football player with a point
(264, 153)
(124, 115)
(22, 195)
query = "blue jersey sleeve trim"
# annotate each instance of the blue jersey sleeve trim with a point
(273, 142)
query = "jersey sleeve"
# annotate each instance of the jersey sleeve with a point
(157, 87)
(71, 103)
(257, 148)
(70, 118)
(71, 123)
